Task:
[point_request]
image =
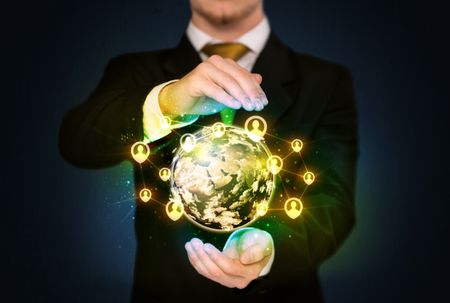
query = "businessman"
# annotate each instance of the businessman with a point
(227, 66)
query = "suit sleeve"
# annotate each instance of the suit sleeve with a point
(99, 132)
(328, 215)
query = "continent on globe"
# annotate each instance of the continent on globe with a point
(222, 180)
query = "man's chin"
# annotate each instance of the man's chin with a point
(223, 20)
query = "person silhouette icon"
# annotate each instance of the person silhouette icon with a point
(165, 122)
(309, 178)
(164, 174)
(140, 151)
(293, 207)
(297, 145)
(188, 142)
(274, 164)
(218, 129)
(262, 209)
(145, 195)
(255, 128)
(174, 210)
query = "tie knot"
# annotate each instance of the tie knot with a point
(232, 50)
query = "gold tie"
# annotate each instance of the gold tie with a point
(234, 51)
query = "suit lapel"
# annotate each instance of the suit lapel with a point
(181, 60)
(276, 66)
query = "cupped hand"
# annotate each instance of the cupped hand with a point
(244, 257)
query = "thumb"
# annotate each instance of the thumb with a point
(254, 253)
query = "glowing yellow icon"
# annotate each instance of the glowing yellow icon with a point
(165, 122)
(188, 142)
(255, 127)
(145, 194)
(174, 210)
(140, 151)
(293, 207)
(218, 129)
(309, 178)
(297, 145)
(262, 208)
(274, 164)
(164, 174)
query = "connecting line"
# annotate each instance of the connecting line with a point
(304, 190)
(163, 204)
(322, 206)
(153, 164)
(276, 209)
(290, 172)
(281, 139)
(303, 161)
(173, 129)
(142, 175)
(287, 155)
(284, 189)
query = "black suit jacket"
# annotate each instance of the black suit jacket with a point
(309, 98)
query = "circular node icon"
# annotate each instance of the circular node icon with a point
(255, 127)
(218, 129)
(297, 145)
(262, 209)
(164, 174)
(188, 142)
(145, 194)
(309, 178)
(274, 164)
(140, 151)
(293, 207)
(174, 210)
(165, 122)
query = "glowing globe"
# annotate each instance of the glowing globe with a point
(223, 179)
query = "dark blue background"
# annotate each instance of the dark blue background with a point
(67, 240)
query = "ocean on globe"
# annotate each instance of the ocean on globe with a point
(222, 180)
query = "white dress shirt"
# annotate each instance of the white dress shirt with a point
(255, 39)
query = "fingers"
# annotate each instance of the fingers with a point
(225, 263)
(194, 260)
(204, 265)
(217, 93)
(236, 81)
(245, 79)
(216, 266)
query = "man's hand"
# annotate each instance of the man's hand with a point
(245, 255)
(213, 85)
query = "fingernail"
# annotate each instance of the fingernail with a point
(259, 105)
(263, 99)
(208, 249)
(248, 103)
(188, 247)
(236, 103)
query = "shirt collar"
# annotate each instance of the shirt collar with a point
(254, 39)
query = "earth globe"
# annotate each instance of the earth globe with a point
(222, 180)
